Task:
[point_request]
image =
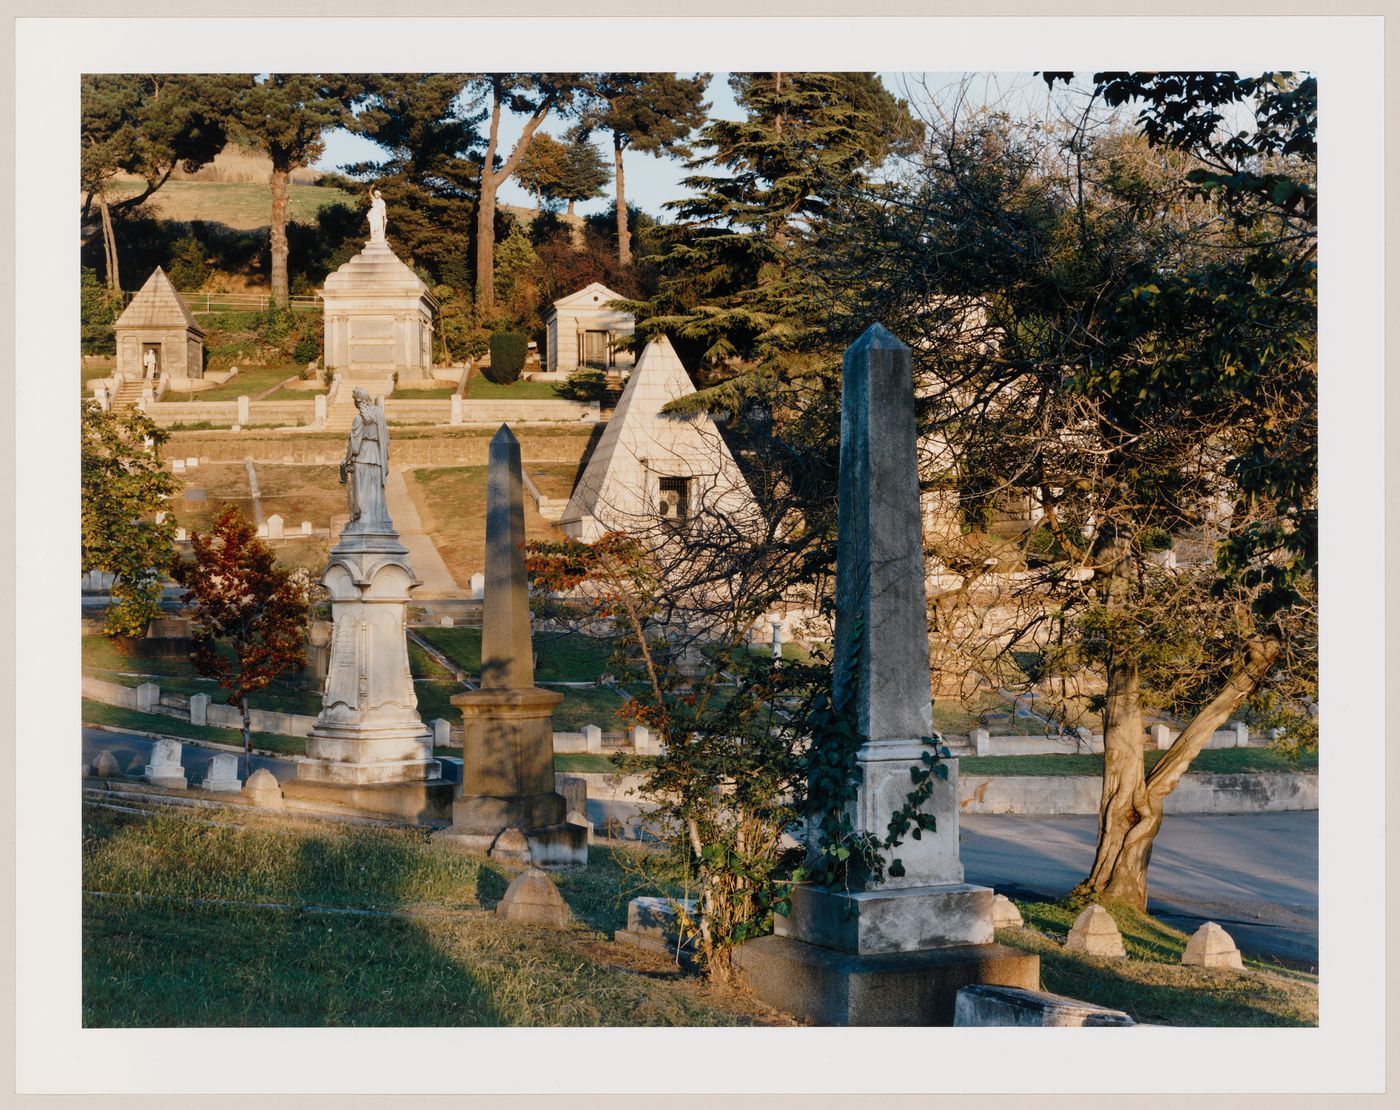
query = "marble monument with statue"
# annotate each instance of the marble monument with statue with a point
(369, 748)
(378, 312)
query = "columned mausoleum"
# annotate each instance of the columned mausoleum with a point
(158, 323)
(379, 317)
(581, 330)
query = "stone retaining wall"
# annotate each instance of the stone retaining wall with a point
(446, 449)
(1078, 795)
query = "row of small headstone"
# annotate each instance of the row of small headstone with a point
(180, 466)
(275, 528)
(1095, 933)
(639, 736)
(165, 769)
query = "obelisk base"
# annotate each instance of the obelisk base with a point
(826, 987)
(509, 808)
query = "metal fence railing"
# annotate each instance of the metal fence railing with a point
(204, 303)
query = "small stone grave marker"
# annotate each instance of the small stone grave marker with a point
(262, 789)
(306, 528)
(1005, 915)
(1095, 934)
(274, 527)
(1212, 946)
(533, 899)
(222, 775)
(164, 768)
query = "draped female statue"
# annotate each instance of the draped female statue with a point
(366, 465)
(378, 217)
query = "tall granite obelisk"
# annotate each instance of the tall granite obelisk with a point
(897, 952)
(508, 805)
(369, 748)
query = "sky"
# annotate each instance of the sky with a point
(652, 181)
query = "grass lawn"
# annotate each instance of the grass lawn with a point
(293, 492)
(237, 204)
(588, 705)
(426, 393)
(250, 381)
(1223, 761)
(480, 388)
(1152, 985)
(289, 394)
(104, 369)
(566, 657)
(452, 502)
(416, 949)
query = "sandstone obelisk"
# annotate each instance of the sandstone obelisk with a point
(509, 805)
(897, 952)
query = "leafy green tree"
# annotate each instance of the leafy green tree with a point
(146, 125)
(583, 177)
(286, 117)
(100, 309)
(124, 490)
(655, 113)
(429, 178)
(250, 613)
(535, 96)
(542, 167)
(729, 288)
(1106, 335)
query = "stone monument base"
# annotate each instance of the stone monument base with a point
(561, 845)
(424, 800)
(905, 919)
(826, 987)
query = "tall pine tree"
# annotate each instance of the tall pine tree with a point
(286, 116)
(429, 179)
(655, 113)
(729, 291)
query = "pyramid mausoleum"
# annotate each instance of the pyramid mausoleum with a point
(379, 317)
(652, 468)
(157, 321)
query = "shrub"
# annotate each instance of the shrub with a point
(189, 266)
(587, 384)
(507, 357)
(308, 348)
(100, 307)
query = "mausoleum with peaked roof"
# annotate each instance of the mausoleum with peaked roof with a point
(158, 322)
(379, 317)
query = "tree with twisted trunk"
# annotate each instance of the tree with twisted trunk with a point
(1115, 328)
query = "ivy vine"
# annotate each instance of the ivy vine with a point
(839, 855)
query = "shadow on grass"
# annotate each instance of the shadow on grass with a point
(161, 961)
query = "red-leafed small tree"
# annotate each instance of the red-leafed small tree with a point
(247, 605)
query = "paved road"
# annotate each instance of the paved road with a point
(1256, 876)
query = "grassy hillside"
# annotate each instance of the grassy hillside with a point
(237, 204)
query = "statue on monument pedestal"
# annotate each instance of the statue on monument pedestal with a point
(366, 465)
(378, 217)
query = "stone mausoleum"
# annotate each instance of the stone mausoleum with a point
(158, 323)
(379, 318)
(581, 330)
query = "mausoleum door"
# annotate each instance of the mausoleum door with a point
(595, 349)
